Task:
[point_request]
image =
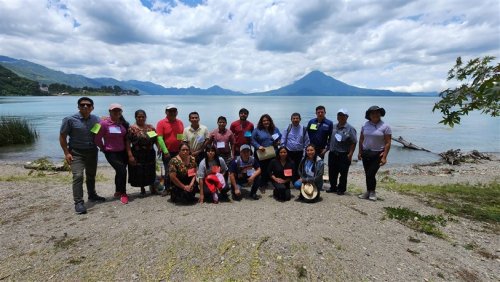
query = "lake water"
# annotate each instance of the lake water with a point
(411, 118)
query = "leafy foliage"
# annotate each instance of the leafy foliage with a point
(480, 90)
(12, 84)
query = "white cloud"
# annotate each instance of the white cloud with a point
(252, 45)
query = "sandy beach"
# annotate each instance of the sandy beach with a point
(340, 238)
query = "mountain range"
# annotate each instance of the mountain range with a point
(315, 83)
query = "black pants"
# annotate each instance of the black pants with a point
(296, 157)
(338, 163)
(319, 151)
(282, 191)
(371, 164)
(255, 185)
(264, 175)
(118, 160)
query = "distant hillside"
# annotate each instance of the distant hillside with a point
(45, 75)
(12, 84)
(317, 83)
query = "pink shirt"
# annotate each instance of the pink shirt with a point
(218, 138)
(111, 136)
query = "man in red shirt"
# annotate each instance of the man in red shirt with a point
(242, 131)
(170, 135)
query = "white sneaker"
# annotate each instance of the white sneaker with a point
(365, 195)
(372, 196)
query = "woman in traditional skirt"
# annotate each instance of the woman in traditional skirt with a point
(141, 154)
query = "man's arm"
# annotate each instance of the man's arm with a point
(64, 145)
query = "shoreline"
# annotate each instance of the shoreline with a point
(337, 238)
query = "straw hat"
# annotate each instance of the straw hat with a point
(309, 191)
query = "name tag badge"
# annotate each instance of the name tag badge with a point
(275, 136)
(180, 137)
(248, 134)
(191, 172)
(151, 134)
(287, 172)
(215, 169)
(250, 172)
(115, 130)
(338, 137)
(221, 145)
(95, 129)
(313, 126)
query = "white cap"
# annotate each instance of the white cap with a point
(343, 111)
(171, 106)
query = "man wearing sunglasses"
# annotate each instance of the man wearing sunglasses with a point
(80, 152)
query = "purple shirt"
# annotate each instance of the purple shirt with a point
(374, 135)
(111, 136)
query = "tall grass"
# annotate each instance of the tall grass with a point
(476, 201)
(16, 131)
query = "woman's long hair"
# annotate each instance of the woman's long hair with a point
(303, 161)
(271, 123)
(211, 147)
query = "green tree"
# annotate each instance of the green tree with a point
(480, 90)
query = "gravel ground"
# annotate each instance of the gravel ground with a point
(337, 239)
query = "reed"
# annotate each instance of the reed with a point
(16, 131)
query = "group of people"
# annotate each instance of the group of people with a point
(223, 161)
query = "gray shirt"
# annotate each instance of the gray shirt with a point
(203, 171)
(342, 138)
(374, 135)
(78, 130)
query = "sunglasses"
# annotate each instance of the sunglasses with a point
(83, 105)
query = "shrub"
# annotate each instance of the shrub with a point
(16, 131)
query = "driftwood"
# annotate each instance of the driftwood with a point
(45, 164)
(455, 157)
(409, 145)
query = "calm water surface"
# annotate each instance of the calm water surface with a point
(411, 118)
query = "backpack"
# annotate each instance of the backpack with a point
(304, 131)
(239, 163)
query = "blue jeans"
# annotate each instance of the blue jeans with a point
(83, 160)
(118, 160)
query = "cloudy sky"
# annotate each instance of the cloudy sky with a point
(253, 45)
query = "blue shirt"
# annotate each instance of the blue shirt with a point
(78, 130)
(295, 138)
(260, 137)
(320, 132)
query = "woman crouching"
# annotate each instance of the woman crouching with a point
(211, 176)
(280, 171)
(311, 170)
(182, 172)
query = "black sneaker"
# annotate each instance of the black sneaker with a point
(340, 193)
(332, 190)
(96, 198)
(254, 197)
(80, 208)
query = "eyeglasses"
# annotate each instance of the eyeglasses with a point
(83, 105)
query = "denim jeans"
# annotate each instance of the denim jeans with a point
(83, 160)
(118, 160)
